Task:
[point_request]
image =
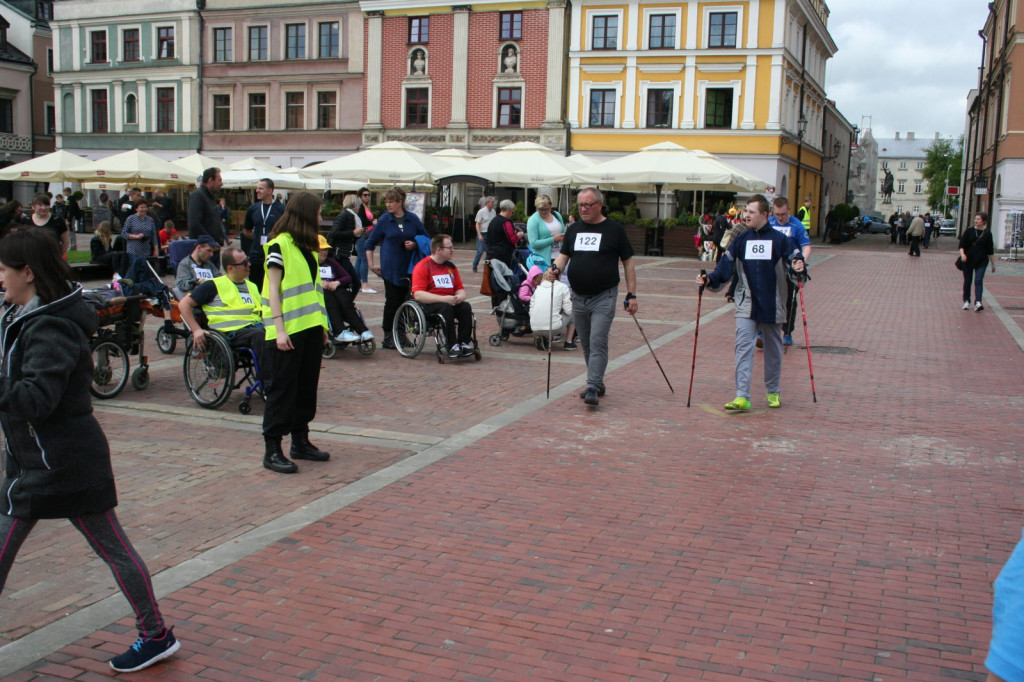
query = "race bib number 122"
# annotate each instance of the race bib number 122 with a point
(587, 241)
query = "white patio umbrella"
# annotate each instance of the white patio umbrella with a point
(453, 155)
(247, 179)
(669, 166)
(58, 166)
(252, 163)
(138, 167)
(387, 162)
(197, 163)
(523, 164)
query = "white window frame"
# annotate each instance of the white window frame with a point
(337, 109)
(248, 42)
(266, 109)
(620, 37)
(151, 88)
(430, 100)
(213, 43)
(340, 24)
(705, 26)
(617, 86)
(156, 42)
(231, 101)
(284, 109)
(125, 120)
(88, 42)
(903, 165)
(120, 43)
(522, 104)
(901, 187)
(88, 108)
(284, 42)
(648, 13)
(920, 165)
(918, 186)
(677, 92)
(702, 87)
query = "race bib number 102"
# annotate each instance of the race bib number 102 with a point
(759, 249)
(587, 241)
(444, 282)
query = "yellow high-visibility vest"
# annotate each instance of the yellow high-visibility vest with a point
(230, 310)
(302, 298)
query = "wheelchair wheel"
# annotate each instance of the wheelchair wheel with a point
(330, 350)
(367, 347)
(410, 329)
(210, 371)
(109, 369)
(140, 378)
(244, 407)
(494, 339)
(166, 341)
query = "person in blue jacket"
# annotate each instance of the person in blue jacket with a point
(761, 258)
(789, 225)
(1005, 660)
(396, 232)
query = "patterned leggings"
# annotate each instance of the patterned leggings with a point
(106, 537)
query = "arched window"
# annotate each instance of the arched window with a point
(131, 110)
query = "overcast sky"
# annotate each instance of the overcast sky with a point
(908, 65)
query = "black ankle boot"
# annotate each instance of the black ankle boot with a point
(303, 449)
(274, 459)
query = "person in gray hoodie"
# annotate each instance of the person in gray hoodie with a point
(57, 462)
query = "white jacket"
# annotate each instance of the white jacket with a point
(541, 305)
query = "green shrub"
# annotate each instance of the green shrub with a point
(645, 223)
(669, 223)
(617, 216)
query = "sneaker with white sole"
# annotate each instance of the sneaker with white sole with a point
(366, 336)
(467, 350)
(347, 337)
(145, 652)
(978, 307)
(456, 351)
(967, 305)
(367, 290)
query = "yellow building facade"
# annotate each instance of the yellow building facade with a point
(732, 78)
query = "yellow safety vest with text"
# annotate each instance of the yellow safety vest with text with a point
(229, 310)
(806, 219)
(302, 298)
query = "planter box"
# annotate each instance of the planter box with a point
(637, 239)
(678, 242)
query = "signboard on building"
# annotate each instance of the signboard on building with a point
(981, 185)
(953, 191)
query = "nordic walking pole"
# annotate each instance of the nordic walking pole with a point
(696, 333)
(807, 337)
(551, 324)
(625, 304)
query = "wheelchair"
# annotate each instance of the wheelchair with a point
(211, 372)
(413, 325)
(331, 346)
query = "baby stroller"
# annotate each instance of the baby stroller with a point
(513, 315)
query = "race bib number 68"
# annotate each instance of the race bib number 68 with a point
(759, 249)
(587, 241)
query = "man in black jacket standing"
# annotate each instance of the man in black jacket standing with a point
(259, 222)
(203, 214)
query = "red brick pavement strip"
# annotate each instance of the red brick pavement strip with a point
(852, 539)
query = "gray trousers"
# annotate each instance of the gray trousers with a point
(746, 337)
(593, 316)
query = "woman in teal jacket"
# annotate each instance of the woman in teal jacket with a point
(544, 230)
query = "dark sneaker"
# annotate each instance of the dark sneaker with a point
(583, 393)
(455, 352)
(468, 350)
(590, 397)
(787, 339)
(389, 343)
(569, 345)
(145, 652)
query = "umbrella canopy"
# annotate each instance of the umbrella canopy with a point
(252, 163)
(197, 163)
(454, 155)
(524, 164)
(59, 166)
(671, 166)
(247, 179)
(387, 162)
(138, 167)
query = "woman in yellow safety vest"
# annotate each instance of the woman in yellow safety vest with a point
(296, 322)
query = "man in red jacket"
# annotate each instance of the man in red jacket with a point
(437, 286)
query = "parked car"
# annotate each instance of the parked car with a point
(869, 223)
(947, 226)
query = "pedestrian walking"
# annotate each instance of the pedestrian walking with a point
(977, 251)
(58, 458)
(595, 245)
(761, 259)
(915, 233)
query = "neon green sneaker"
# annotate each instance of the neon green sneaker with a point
(738, 403)
(773, 400)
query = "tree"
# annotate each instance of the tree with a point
(943, 160)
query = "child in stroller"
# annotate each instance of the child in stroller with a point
(512, 313)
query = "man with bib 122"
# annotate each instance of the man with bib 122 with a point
(595, 245)
(761, 258)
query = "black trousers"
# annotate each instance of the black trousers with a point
(251, 337)
(341, 309)
(394, 296)
(915, 246)
(462, 312)
(791, 304)
(290, 379)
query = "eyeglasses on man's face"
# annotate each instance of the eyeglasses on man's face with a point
(241, 264)
(587, 204)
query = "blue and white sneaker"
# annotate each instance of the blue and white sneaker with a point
(787, 339)
(145, 652)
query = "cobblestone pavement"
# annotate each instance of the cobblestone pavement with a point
(468, 529)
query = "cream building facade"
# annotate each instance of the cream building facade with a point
(904, 156)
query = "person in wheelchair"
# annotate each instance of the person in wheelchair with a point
(437, 286)
(232, 305)
(197, 268)
(339, 298)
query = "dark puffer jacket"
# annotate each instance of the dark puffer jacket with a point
(57, 462)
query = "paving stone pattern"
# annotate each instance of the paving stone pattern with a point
(855, 538)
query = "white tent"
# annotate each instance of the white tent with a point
(137, 167)
(59, 166)
(197, 163)
(523, 164)
(384, 163)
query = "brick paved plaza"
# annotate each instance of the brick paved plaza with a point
(468, 529)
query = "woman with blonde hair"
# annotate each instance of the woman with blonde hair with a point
(296, 322)
(103, 252)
